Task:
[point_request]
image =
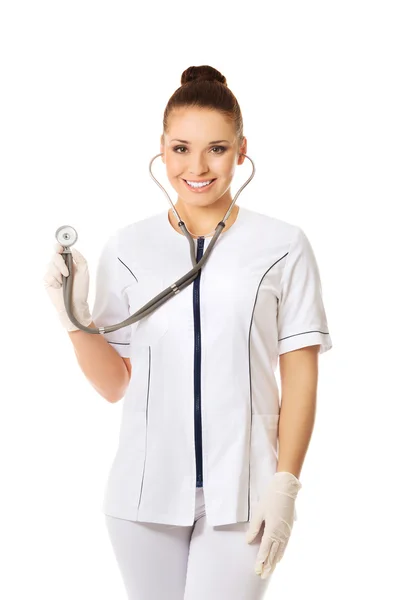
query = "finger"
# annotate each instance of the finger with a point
(270, 564)
(267, 572)
(78, 257)
(53, 273)
(263, 554)
(280, 552)
(254, 527)
(272, 554)
(59, 261)
(50, 281)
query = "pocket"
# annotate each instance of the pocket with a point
(149, 330)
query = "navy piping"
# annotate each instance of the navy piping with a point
(251, 394)
(123, 343)
(147, 412)
(127, 268)
(251, 398)
(303, 332)
(197, 370)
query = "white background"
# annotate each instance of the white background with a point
(84, 86)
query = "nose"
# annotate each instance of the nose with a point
(198, 165)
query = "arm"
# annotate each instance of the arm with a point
(299, 378)
(107, 371)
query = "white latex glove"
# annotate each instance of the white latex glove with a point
(277, 509)
(53, 284)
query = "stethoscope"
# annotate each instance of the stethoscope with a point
(67, 236)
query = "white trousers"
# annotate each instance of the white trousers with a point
(198, 562)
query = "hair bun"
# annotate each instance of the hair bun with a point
(204, 72)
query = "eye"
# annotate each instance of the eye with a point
(221, 148)
(177, 148)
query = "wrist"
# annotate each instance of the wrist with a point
(289, 481)
(82, 314)
(287, 474)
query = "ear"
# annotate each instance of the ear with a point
(242, 150)
(162, 148)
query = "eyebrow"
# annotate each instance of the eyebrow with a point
(214, 142)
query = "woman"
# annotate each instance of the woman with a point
(199, 503)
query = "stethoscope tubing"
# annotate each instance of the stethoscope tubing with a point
(167, 293)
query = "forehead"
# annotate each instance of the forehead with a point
(199, 124)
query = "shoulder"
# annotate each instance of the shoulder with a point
(277, 231)
(138, 231)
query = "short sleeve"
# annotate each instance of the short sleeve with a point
(111, 304)
(301, 313)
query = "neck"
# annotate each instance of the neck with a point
(201, 220)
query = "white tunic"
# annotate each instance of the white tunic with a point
(202, 406)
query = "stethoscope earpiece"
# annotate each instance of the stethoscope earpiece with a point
(177, 216)
(67, 236)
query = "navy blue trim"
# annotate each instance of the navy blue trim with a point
(197, 370)
(303, 332)
(249, 362)
(147, 420)
(123, 343)
(127, 267)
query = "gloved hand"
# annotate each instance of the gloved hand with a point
(53, 284)
(277, 509)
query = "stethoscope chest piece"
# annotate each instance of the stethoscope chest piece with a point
(66, 236)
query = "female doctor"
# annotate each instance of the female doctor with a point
(199, 502)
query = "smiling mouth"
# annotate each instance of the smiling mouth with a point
(199, 184)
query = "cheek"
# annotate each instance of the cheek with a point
(173, 169)
(175, 165)
(224, 168)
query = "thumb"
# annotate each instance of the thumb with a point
(254, 527)
(79, 259)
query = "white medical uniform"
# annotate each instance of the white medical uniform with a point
(259, 296)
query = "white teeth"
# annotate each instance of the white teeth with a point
(199, 184)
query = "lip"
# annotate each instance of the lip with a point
(201, 190)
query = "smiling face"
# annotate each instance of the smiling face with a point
(201, 146)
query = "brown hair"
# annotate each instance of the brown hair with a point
(205, 87)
